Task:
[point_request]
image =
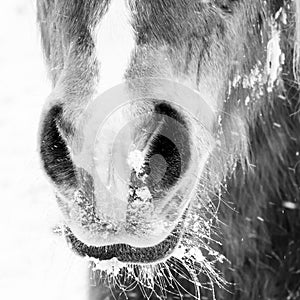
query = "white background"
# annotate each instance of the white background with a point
(34, 263)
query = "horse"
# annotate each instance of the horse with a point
(171, 140)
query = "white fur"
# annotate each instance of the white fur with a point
(114, 44)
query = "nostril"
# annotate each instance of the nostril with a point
(168, 154)
(164, 108)
(164, 162)
(53, 149)
(156, 167)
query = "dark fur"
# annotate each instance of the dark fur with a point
(259, 235)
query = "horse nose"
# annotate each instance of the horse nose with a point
(139, 148)
(135, 159)
(138, 160)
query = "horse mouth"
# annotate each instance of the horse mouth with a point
(124, 252)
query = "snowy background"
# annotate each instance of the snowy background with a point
(34, 263)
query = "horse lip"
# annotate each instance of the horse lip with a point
(124, 252)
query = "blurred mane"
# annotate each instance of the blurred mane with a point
(297, 41)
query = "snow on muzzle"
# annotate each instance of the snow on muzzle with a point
(143, 145)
